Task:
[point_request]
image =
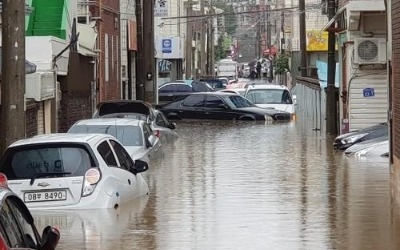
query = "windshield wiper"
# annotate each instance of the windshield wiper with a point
(38, 175)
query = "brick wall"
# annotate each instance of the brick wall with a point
(109, 89)
(72, 109)
(396, 76)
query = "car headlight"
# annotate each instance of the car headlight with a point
(353, 138)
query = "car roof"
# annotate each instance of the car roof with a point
(60, 137)
(266, 86)
(214, 93)
(110, 121)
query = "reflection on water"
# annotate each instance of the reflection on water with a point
(245, 186)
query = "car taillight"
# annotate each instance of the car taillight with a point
(92, 177)
(3, 180)
(157, 133)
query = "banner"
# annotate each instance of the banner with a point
(317, 40)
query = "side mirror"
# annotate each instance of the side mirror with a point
(140, 166)
(151, 141)
(50, 238)
(294, 99)
(172, 125)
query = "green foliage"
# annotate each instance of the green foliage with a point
(282, 64)
(224, 44)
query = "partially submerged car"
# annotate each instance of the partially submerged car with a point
(17, 226)
(220, 106)
(344, 141)
(73, 171)
(139, 110)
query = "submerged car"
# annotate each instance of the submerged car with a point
(344, 141)
(368, 148)
(171, 91)
(271, 96)
(135, 135)
(139, 110)
(73, 171)
(17, 226)
(220, 106)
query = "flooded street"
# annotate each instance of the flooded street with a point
(245, 186)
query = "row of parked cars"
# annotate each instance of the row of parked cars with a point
(99, 163)
(367, 142)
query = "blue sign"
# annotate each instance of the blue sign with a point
(166, 45)
(369, 92)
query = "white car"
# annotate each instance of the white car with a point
(271, 96)
(73, 171)
(136, 135)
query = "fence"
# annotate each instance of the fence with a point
(311, 102)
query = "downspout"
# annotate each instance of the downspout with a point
(344, 95)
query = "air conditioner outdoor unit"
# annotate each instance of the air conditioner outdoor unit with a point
(369, 50)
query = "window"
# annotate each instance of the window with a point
(128, 135)
(27, 229)
(167, 89)
(147, 131)
(183, 88)
(13, 235)
(107, 154)
(26, 162)
(237, 101)
(123, 157)
(213, 102)
(194, 101)
(161, 120)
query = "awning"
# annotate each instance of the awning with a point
(336, 17)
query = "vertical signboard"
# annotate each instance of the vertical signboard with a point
(161, 8)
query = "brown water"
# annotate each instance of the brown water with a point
(245, 186)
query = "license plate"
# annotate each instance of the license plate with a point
(45, 196)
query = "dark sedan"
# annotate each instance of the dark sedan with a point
(220, 106)
(173, 91)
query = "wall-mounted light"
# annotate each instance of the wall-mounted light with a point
(149, 76)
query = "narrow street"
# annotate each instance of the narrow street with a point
(245, 186)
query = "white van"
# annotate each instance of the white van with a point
(274, 96)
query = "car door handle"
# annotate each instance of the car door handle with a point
(129, 182)
(180, 111)
(207, 113)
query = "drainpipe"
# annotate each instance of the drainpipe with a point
(344, 95)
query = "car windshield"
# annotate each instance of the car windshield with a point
(269, 96)
(28, 162)
(237, 101)
(127, 135)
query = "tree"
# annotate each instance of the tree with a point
(282, 64)
(224, 44)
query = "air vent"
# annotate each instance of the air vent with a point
(370, 50)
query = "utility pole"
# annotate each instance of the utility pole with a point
(148, 52)
(303, 41)
(140, 78)
(269, 46)
(331, 109)
(203, 41)
(212, 47)
(283, 32)
(13, 73)
(189, 38)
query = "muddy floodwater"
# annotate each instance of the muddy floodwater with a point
(226, 185)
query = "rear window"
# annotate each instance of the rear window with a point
(24, 163)
(127, 135)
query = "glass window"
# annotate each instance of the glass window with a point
(237, 101)
(194, 101)
(13, 234)
(123, 157)
(27, 230)
(183, 88)
(161, 120)
(128, 135)
(24, 163)
(213, 102)
(107, 154)
(167, 89)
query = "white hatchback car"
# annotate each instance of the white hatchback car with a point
(136, 135)
(73, 171)
(271, 96)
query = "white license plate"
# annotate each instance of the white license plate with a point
(59, 195)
